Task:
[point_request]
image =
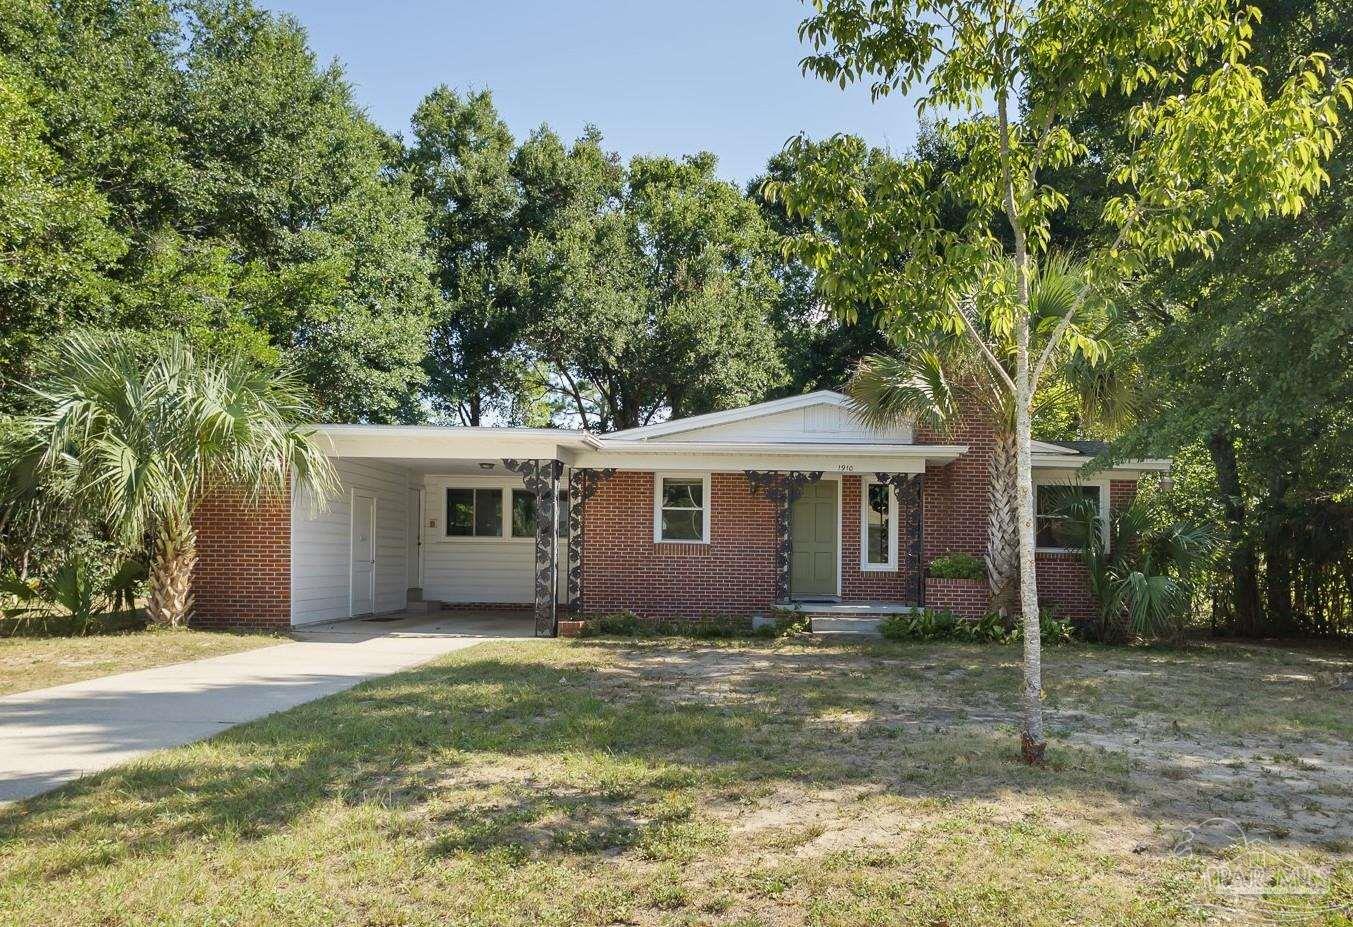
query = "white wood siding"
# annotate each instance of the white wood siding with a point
(321, 544)
(821, 422)
(480, 571)
(497, 570)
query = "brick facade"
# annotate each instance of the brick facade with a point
(956, 508)
(623, 569)
(1064, 586)
(967, 597)
(956, 497)
(859, 585)
(733, 575)
(243, 573)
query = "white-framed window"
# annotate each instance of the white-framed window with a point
(474, 512)
(878, 526)
(1052, 495)
(478, 509)
(681, 508)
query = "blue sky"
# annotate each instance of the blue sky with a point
(656, 76)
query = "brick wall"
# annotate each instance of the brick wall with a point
(1063, 583)
(967, 597)
(1121, 494)
(243, 573)
(623, 569)
(956, 505)
(956, 496)
(1064, 586)
(859, 585)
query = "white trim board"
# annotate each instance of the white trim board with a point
(865, 565)
(1099, 481)
(657, 506)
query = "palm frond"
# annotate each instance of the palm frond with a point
(137, 434)
(887, 391)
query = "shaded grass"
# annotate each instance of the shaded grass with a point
(662, 782)
(38, 662)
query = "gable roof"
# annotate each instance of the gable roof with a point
(695, 422)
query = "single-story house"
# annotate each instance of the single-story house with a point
(729, 514)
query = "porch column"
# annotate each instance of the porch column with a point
(782, 488)
(911, 499)
(582, 485)
(541, 477)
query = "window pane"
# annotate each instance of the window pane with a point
(683, 525)
(561, 514)
(683, 494)
(488, 513)
(523, 514)
(459, 512)
(876, 520)
(1053, 504)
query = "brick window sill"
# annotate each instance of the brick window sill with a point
(677, 549)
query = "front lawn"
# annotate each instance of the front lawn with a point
(667, 782)
(38, 662)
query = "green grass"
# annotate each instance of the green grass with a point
(37, 662)
(738, 783)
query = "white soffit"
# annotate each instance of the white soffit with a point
(422, 442)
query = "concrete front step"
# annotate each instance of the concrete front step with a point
(849, 609)
(836, 624)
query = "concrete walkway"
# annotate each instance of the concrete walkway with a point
(50, 736)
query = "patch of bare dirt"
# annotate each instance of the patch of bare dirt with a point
(1273, 785)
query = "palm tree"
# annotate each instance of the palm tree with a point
(1140, 572)
(934, 376)
(138, 434)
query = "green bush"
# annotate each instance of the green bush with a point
(621, 624)
(1054, 630)
(628, 624)
(930, 625)
(958, 566)
(71, 599)
(787, 621)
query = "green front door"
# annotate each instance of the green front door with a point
(813, 529)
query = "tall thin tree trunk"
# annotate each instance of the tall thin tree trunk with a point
(1003, 525)
(1249, 614)
(1032, 741)
(170, 596)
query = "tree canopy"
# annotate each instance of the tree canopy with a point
(1209, 143)
(192, 169)
(204, 175)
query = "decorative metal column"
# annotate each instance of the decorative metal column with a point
(582, 485)
(781, 488)
(541, 477)
(909, 488)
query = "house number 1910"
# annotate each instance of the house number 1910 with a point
(845, 468)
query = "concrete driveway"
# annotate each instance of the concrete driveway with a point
(51, 736)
